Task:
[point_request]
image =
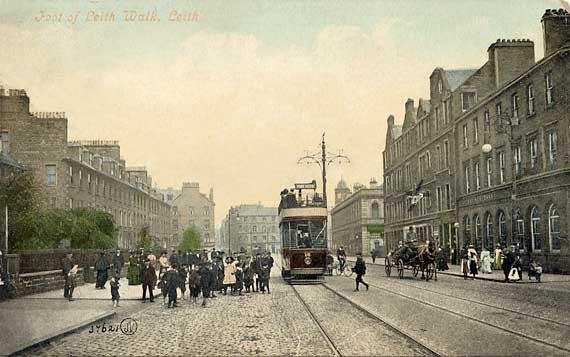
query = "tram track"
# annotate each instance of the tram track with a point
(474, 318)
(334, 342)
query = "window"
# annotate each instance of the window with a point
(446, 153)
(475, 130)
(467, 229)
(533, 152)
(515, 105)
(465, 136)
(71, 175)
(502, 167)
(89, 181)
(448, 196)
(477, 233)
(486, 121)
(519, 231)
(438, 158)
(552, 138)
(51, 175)
(437, 118)
(4, 143)
(375, 210)
(467, 186)
(549, 88)
(535, 230)
(554, 229)
(477, 177)
(446, 110)
(467, 100)
(518, 160)
(502, 229)
(440, 86)
(489, 231)
(489, 171)
(499, 109)
(530, 99)
(70, 203)
(428, 159)
(438, 198)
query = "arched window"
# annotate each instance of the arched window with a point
(489, 232)
(519, 229)
(535, 230)
(478, 233)
(375, 210)
(467, 229)
(554, 228)
(502, 229)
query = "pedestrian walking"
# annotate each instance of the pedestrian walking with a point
(163, 264)
(194, 284)
(499, 258)
(360, 270)
(248, 277)
(239, 279)
(264, 273)
(229, 275)
(507, 264)
(213, 278)
(473, 262)
(69, 271)
(101, 267)
(149, 280)
(374, 254)
(118, 263)
(163, 286)
(172, 285)
(182, 275)
(173, 260)
(464, 263)
(205, 283)
(486, 262)
(115, 285)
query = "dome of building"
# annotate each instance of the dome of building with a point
(341, 184)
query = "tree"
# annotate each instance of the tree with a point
(145, 240)
(91, 229)
(190, 240)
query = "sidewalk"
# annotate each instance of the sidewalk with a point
(38, 318)
(496, 275)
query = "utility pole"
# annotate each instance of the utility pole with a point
(323, 158)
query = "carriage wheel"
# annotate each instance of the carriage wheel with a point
(348, 270)
(415, 271)
(387, 266)
(400, 268)
(430, 271)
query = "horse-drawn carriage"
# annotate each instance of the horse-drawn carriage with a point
(414, 257)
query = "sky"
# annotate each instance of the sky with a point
(232, 98)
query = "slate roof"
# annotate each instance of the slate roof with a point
(456, 77)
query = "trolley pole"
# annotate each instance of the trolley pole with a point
(323, 158)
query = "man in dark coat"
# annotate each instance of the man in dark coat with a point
(173, 259)
(149, 281)
(508, 262)
(182, 275)
(69, 276)
(213, 278)
(205, 282)
(360, 270)
(118, 263)
(256, 267)
(142, 258)
(172, 285)
(264, 272)
(101, 267)
(194, 284)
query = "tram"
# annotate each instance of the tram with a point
(303, 229)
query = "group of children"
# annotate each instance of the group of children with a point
(209, 277)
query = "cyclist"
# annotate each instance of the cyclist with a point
(341, 256)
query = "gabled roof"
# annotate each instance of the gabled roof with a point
(456, 77)
(424, 105)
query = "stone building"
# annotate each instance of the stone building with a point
(252, 227)
(82, 173)
(194, 209)
(513, 159)
(500, 164)
(357, 219)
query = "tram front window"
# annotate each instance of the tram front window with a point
(305, 234)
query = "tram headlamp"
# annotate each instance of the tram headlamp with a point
(308, 260)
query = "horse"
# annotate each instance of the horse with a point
(427, 256)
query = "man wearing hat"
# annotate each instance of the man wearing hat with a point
(69, 269)
(101, 267)
(118, 263)
(360, 270)
(148, 280)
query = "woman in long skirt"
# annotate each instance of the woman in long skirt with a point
(133, 274)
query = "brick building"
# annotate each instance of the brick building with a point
(82, 173)
(505, 156)
(193, 209)
(357, 219)
(252, 227)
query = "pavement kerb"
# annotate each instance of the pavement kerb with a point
(59, 333)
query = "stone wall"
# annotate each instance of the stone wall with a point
(39, 282)
(51, 259)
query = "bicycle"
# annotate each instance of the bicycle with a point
(345, 269)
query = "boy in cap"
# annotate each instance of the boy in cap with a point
(182, 275)
(172, 285)
(115, 296)
(194, 284)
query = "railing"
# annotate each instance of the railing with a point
(95, 142)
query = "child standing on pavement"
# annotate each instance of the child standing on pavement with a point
(115, 296)
(194, 284)
(182, 274)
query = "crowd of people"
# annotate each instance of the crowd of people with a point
(198, 273)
